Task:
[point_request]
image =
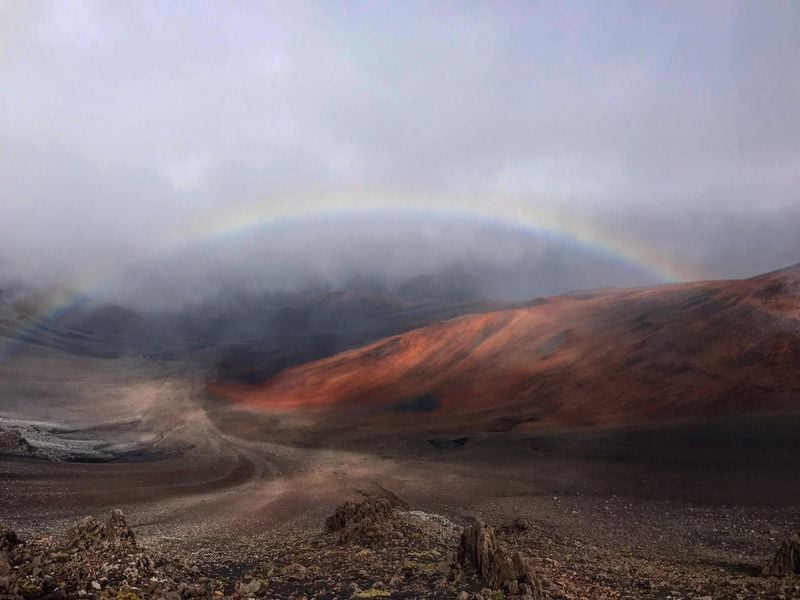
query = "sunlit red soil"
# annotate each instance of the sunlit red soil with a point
(595, 358)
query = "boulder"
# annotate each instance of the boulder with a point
(481, 553)
(8, 538)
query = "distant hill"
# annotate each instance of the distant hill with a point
(604, 357)
(244, 338)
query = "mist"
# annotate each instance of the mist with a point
(127, 124)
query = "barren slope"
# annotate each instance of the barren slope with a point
(596, 358)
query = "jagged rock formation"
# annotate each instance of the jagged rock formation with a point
(86, 533)
(90, 532)
(96, 559)
(786, 561)
(118, 532)
(364, 522)
(480, 552)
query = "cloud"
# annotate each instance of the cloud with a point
(122, 121)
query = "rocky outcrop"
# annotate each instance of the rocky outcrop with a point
(86, 533)
(481, 553)
(786, 561)
(95, 559)
(90, 532)
(118, 532)
(350, 513)
(363, 523)
(12, 442)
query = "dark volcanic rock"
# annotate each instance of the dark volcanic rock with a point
(786, 561)
(86, 533)
(89, 532)
(350, 513)
(364, 522)
(118, 531)
(516, 526)
(8, 538)
(95, 560)
(481, 553)
(11, 441)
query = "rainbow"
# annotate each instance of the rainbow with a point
(509, 213)
(255, 217)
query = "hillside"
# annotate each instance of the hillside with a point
(242, 338)
(605, 357)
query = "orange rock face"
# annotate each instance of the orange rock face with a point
(596, 358)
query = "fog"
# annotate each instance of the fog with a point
(129, 129)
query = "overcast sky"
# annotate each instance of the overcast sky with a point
(675, 123)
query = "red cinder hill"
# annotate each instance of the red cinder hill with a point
(604, 357)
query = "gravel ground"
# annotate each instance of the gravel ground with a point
(221, 502)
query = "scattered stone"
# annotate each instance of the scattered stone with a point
(372, 593)
(516, 526)
(295, 572)
(95, 559)
(434, 560)
(250, 587)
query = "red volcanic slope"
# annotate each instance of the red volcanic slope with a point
(604, 357)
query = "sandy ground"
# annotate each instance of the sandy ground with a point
(680, 513)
